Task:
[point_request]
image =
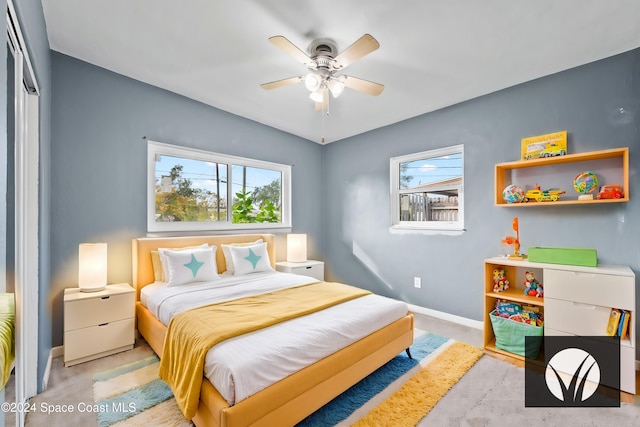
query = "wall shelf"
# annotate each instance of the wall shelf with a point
(611, 166)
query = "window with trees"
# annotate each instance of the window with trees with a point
(427, 190)
(190, 189)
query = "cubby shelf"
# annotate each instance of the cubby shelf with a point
(577, 302)
(613, 162)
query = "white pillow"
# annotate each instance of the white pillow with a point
(227, 254)
(250, 259)
(188, 266)
(159, 263)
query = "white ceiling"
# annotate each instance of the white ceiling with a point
(433, 53)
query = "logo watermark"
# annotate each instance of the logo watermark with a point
(576, 371)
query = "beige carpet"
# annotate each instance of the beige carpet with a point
(492, 394)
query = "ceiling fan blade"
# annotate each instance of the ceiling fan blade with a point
(324, 105)
(361, 47)
(362, 85)
(284, 44)
(280, 83)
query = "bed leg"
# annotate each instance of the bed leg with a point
(408, 350)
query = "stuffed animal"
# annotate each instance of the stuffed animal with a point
(530, 284)
(500, 282)
(539, 291)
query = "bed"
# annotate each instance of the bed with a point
(292, 398)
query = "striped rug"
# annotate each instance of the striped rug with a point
(400, 393)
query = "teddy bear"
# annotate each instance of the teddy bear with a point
(500, 282)
(531, 284)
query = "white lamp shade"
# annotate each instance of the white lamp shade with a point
(296, 247)
(312, 81)
(92, 266)
(336, 87)
(317, 96)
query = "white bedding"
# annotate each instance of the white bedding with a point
(244, 365)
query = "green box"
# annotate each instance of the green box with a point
(569, 256)
(510, 336)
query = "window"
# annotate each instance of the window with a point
(427, 190)
(190, 189)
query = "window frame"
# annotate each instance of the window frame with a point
(155, 148)
(396, 192)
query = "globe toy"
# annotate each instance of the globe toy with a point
(585, 182)
(513, 194)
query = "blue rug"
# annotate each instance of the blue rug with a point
(133, 395)
(344, 405)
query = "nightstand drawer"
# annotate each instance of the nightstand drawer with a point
(315, 271)
(84, 342)
(94, 311)
(589, 288)
(575, 318)
(310, 268)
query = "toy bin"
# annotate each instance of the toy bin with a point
(510, 336)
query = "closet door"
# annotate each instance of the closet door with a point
(22, 213)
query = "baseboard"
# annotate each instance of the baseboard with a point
(470, 323)
(55, 352)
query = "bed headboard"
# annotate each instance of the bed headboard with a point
(141, 248)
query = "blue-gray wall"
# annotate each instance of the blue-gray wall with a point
(99, 174)
(586, 101)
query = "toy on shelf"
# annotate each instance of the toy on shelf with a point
(500, 281)
(513, 194)
(519, 313)
(550, 195)
(549, 145)
(613, 191)
(531, 286)
(585, 183)
(515, 241)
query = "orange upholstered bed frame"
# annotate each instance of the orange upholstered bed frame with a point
(293, 398)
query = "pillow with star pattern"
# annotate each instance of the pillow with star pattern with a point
(227, 254)
(188, 266)
(159, 264)
(250, 259)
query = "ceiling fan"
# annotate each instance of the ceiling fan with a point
(323, 63)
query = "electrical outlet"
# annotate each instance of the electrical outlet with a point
(417, 282)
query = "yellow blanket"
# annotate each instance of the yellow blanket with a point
(7, 337)
(192, 333)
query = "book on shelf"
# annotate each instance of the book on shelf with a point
(614, 322)
(623, 329)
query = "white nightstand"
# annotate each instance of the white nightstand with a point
(311, 268)
(97, 324)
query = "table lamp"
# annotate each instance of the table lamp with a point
(92, 267)
(296, 247)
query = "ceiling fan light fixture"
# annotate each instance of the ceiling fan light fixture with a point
(316, 96)
(323, 61)
(336, 87)
(312, 81)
